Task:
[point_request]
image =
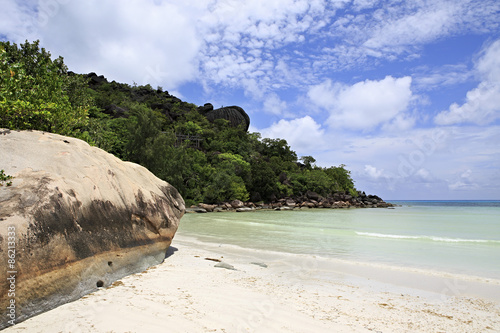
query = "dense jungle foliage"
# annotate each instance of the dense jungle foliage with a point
(217, 162)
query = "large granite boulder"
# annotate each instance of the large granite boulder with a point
(234, 114)
(78, 219)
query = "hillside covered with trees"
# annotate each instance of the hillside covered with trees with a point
(207, 159)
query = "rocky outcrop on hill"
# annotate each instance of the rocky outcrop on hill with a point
(95, 80)
(234, 114)
(74, 219)
(170, 106)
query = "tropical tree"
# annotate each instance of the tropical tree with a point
(37, 93)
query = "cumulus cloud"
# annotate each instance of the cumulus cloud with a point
(302, 134)
(429, 163)
(373, 172)
(364, 105)
(142, 41)
(482, 104)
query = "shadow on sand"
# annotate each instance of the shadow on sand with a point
(170, 251)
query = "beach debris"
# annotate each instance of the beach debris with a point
(386, 305)
(213, 259)
(261, 264)
(226, 266)
(116, 284)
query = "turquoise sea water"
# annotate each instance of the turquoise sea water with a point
(448, 236)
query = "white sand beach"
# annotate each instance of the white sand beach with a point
(294, 293)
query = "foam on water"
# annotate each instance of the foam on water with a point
(432, 238)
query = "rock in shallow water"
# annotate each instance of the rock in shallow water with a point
(81, 217)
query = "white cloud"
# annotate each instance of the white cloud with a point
(18, 20)
(241, 38)
(273, 104)
(392, 31)
(465, 181)
(482, 104)
(427, 23)
(373, 172)
(428, 163)
(142, 41)
(424, 176)
(324, 94)
(231, 43)
(482, 107)
(447, 75)
(364, 105)
(489, 64)
(402, 122)
(304, 135)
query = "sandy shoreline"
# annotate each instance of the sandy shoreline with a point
(293, 293)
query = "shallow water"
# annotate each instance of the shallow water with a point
(455, 237)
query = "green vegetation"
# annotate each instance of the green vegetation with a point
(206, 161)
(5, 179)
(37, 93)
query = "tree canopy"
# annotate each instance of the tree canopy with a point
(36, 92)
(207, 161)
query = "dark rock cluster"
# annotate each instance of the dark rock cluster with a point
(309, 200)
(95, 80)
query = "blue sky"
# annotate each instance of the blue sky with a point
(405, 93)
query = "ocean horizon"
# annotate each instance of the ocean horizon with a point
(447, 203)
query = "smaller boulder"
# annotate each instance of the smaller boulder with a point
(284, 208)
(237, 204)
(326, 204)
(244, 209)
(195, 210)
(310, 205)
(312, 195)
(208, 208)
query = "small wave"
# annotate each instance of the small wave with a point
(372, 234)
(432, 238)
